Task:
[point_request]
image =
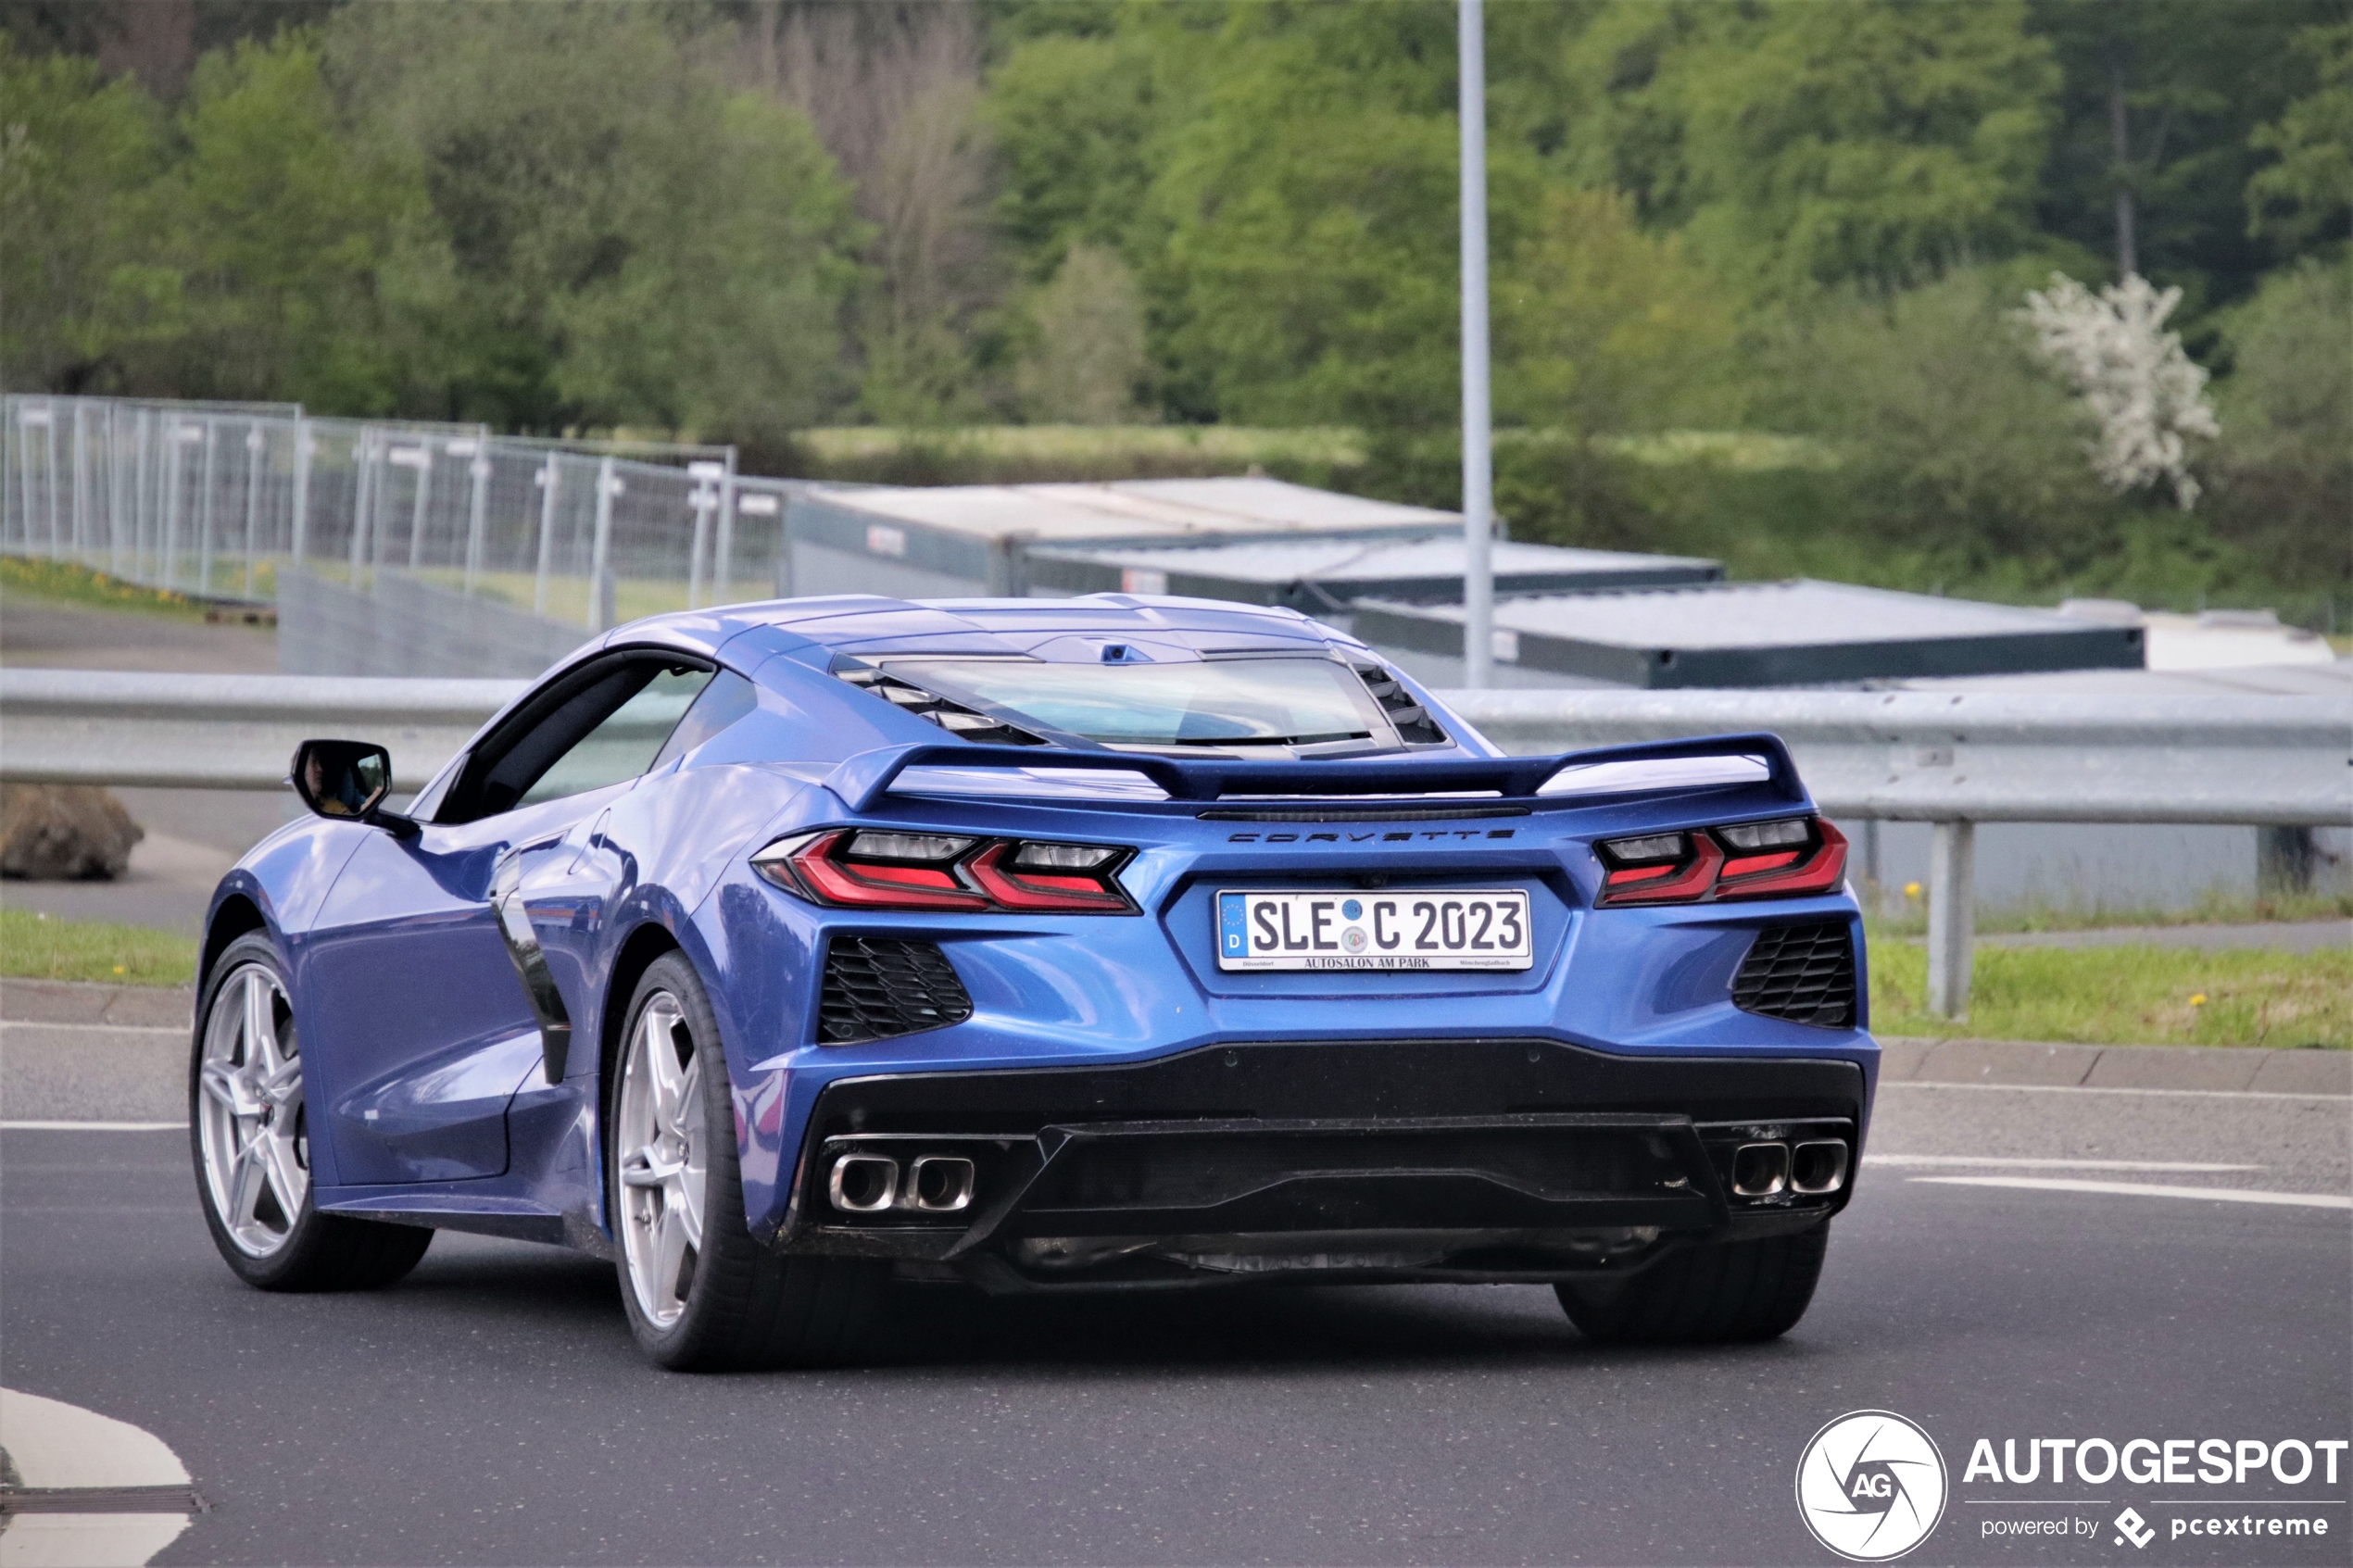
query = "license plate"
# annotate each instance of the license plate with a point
(1460, 928)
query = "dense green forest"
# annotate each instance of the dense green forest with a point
(1806, 227)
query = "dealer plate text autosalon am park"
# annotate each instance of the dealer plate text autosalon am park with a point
(1872, 1487)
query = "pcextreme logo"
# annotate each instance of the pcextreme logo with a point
(1871, 1485)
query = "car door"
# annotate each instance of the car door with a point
(426, 1011)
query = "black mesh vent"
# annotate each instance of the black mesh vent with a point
(877, 986)
(1804, 973)
(1415, 726)
(953, 717)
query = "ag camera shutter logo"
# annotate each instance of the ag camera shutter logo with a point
(1871, 1485)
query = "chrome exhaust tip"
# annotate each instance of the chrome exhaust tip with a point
(940, 1183)
(1816, 1168)
(864, 1183)
(1760, 1170)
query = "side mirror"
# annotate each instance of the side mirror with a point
(348, 780)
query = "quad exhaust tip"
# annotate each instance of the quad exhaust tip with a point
(864, 1183)
(1760, 1170)
(1819, 1167)
(872, 1183)
(1812, 1169)
(940, 1183)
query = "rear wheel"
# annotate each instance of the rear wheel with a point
(700, 1293)
(250, 1133)
(1717, 1292)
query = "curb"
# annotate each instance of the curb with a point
(2030, 1064)
(76, 1002)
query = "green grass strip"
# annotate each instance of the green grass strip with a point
(41, 946)
(67, 583)
(2137, 996)
(2213, 906)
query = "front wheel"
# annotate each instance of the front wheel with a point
(250, 1133)
(1716, 1292)
(700, 1293)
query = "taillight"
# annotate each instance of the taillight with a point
(867, 869)
(1782, 858)
(1049, 876)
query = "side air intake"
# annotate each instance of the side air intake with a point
(1804, 973)
(877, 986)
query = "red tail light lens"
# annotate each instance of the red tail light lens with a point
(1817, 867)
(1004, 872)
(863, 869)
(852, 869)
(1788, 858)
(1686, 877)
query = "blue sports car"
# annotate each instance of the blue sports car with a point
(784, 951)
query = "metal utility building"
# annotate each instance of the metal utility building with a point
(959, 541)
(1795, 634)
(1325, 577)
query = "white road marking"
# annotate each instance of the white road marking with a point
(93, 1126)
(177, 1031)
(51, 1443)
(2091, 1089)
(2136, 1189)
(1974, 1160)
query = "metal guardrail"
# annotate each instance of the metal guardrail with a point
(1940, 756)
(225, 732)
(1950, 759)
(1955, 759)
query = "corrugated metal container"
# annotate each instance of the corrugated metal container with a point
(961, 540)
(1795, 633)
(1326, 577)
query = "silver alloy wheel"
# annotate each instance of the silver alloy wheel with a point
(251, 1123)
(658, 1129)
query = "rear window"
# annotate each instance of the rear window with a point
(1221, 702)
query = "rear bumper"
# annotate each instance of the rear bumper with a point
(1491, 1158)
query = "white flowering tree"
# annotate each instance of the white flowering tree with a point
(2148, 396)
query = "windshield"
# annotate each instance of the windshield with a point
(1222, 702)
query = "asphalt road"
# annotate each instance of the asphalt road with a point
(492, 1409)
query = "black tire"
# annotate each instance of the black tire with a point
(316, 1251)
(1721, 1292)
(744, 1307)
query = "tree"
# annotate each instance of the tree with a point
(2306, 197)
(81, 284)
(1959, 449)
(725, 322)
(1798, 146)
(892, 88)
(1074, 118)
(2146, 398)
(2150, 152)
(283, 220)
(1309, 273)
(928, 194)
(2284, 486)
(1604, 328)
(1089, 355)
(603, 207)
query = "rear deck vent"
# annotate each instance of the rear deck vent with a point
(953, 717)
(877, 986)
(1804, 973)
(1414, 724)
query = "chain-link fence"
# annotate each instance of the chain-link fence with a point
(218, 500)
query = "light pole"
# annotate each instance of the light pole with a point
(1478, 461)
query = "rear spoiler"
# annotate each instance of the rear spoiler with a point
(867, 777)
